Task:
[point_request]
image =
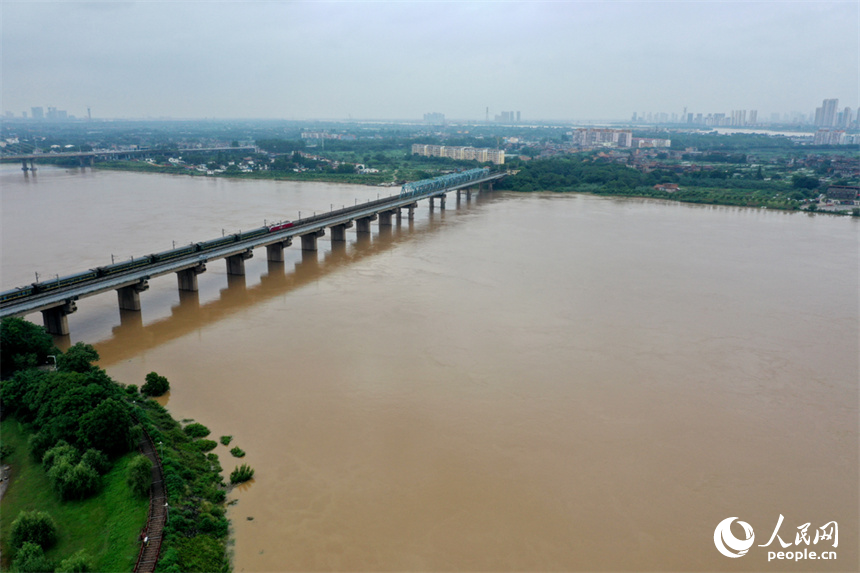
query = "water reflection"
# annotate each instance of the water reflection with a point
(132, 336)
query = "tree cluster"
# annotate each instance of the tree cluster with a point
(155, 385)
(79, 415)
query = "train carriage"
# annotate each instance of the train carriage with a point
(173, 253)
(215, 243)
(15, 294)
(125, 266)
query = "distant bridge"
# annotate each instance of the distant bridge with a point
(129, 278)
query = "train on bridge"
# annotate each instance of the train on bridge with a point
(136, 263)
(416, 189)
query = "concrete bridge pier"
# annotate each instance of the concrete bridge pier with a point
(309, 241)
(236, 263)
(275, 251)
(188, 277)
(338, 232)
(442, 198)
(24, 166)
(385, 218)
(410, 209)
(129, 297)
(55, 319)
(363, 224)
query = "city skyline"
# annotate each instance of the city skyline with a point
(360, 60)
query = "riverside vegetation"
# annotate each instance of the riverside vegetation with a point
(79, 493)
(744, 169)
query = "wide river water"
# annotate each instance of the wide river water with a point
(523, 382)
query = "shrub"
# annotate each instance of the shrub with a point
(237, 452)
(96, 460)
(80, 562)
(5, 451)
(131, 389)
(60, 452)
(139, 477)
(241, 474)
(73, 481)
(226, 440)
(33, 527)
(205, 445)
(155, 385)
(196, 430)
(31, 559)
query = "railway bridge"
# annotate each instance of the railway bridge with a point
(57, 299)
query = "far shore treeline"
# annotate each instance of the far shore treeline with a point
(773, 170)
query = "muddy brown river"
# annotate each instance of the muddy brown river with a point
(540, 382)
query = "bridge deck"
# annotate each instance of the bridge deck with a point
(300, 227)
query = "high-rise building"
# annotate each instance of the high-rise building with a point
(37, 113)
(753, 117)
(825, 116)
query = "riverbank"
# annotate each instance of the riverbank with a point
(742, 194)
(72, 436)
(352, 178)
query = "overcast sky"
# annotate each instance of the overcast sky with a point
(399, 60)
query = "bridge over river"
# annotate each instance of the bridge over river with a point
(56, 300)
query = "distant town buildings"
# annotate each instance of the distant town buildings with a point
(593, 137)
(316, 135)
(828, 115)
(53, 114)
(481, 154)
(434, 118)
(508, 117)
(589, 138)
(835, 137)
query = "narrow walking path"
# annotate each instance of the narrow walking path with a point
(150, 540)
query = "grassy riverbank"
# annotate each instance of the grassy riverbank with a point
(71, 436)
(105, 526)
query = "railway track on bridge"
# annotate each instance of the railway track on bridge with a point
(130, 278)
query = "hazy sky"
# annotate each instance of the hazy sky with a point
(374, 60)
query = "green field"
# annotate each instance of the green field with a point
(105, 526)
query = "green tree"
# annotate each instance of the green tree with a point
(155, 385)
(34, 527)
(23, 345)
(30, 558)
(80, 562)
(804, 182)
(107, 428)
(139, 478)
(78, 358)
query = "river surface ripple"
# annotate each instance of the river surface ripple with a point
(519, 383)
